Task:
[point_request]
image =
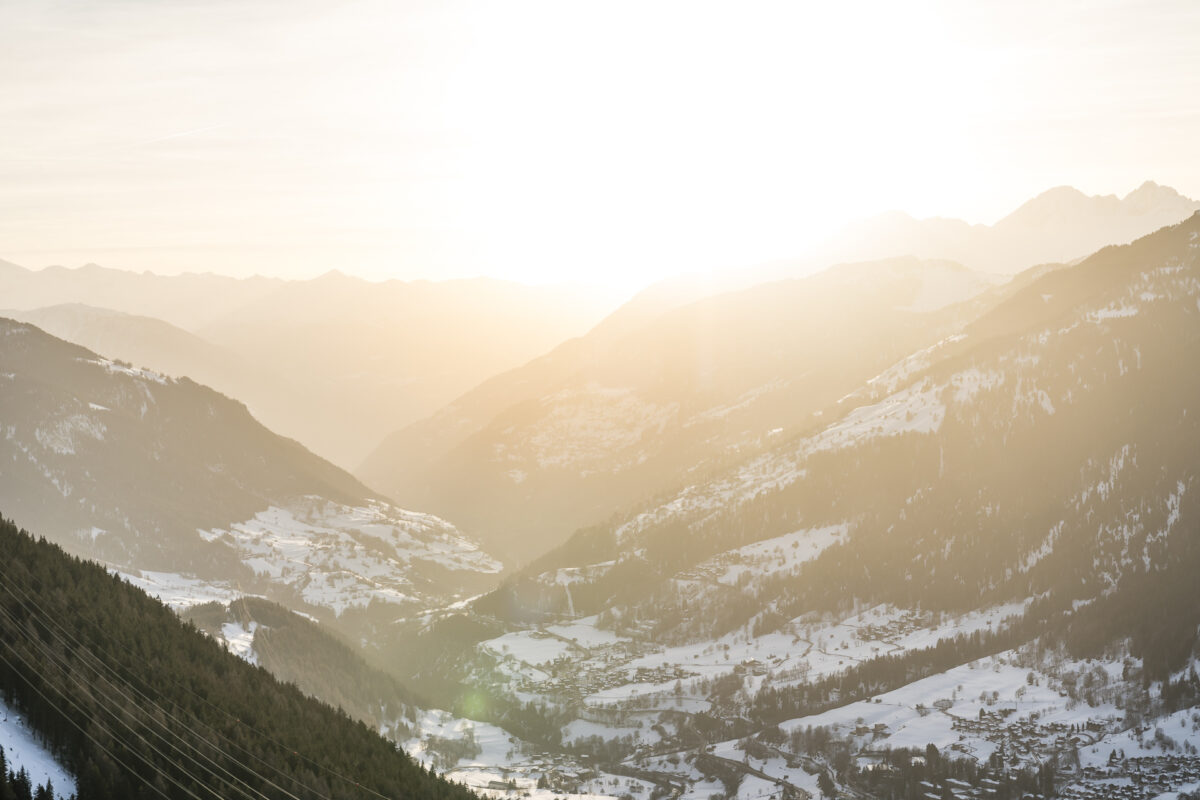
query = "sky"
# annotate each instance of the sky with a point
(549, 141)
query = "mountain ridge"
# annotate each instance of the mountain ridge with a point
(182, 488)
(328, 361)
(674, 372)
(986, 554)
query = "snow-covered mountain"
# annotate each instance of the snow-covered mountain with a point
(977, 568)
(1077, 358)
(693, 373)
(183, 489)
(633, 408)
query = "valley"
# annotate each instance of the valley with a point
(637, 649)
(893, 589)
(551, 400)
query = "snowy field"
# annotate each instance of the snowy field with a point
(531, 647)
(1177, 731)
(180, 592)
(340, 556)
(950, 710)
(809, 649)
(505, 767)
(239, 640)
(779, 555)
(335, 556)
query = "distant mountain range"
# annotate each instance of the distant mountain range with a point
(693, 372)
(330, 361)
(1059, 225)
(187, 301)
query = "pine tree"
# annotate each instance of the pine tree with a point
(21, 787)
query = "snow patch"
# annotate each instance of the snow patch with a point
(180, 592)
(339, 556)
(239, 640)
(1112, 312)
(780, 555)
(917, 409)
(65, 434)
(971, 382)
(22, 749)
(115, 368)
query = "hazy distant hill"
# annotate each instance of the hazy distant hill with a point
(155, 344)
(188, 300)
(335, 362)
(173, 482)
(633, 409)
(1060, 225)
(364, 355)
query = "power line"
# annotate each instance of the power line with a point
(81, 710)
(65, 665)
(100, 664)
(296, 753)
(262, 735)
(85, 652)
(81, 729)
(49, 656)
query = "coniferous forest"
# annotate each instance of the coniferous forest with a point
(139, 704)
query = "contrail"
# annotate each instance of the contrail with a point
(185, 133)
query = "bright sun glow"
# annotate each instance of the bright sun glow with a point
(664, 138)
(547, 141)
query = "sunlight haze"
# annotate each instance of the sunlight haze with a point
(544, 142)
(599, 400)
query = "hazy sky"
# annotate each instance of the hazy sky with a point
(560, 140)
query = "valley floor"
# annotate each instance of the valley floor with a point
(1015, 710)
(631, 712)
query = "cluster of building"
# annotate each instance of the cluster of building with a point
(1137, 779)
(573, 678)
(894, 627)
(1025, 741)
(961, 790)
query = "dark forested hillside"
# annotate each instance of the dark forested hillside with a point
(314, 657)
(138, 704)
